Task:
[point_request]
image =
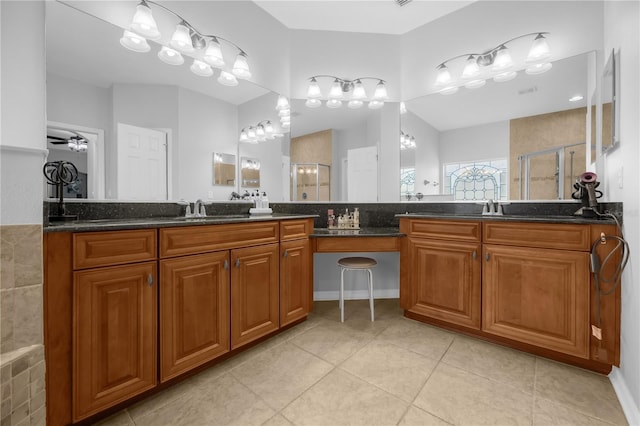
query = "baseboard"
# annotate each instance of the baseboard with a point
(357, 294)
(629, 406)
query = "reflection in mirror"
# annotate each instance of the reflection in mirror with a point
(347, 144)
(249, 173)
(224, 169)
(95, 83)
(521, 139)
(609, 104)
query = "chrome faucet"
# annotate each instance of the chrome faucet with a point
(198, 208)
(492, 208)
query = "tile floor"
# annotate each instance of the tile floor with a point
(393, 371)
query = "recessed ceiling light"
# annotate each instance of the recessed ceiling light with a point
(576, 98)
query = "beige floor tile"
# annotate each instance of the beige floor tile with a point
(492, 361)
(281, 374)
(277, 420)
(121, 418)
(333, 342)
(185, 389)
(396, 370)
(225, 401)
(547, 413)
(417, 337)
(298, 329)
(417, 417)
(464, 398)
(342, 399)
(584, 391)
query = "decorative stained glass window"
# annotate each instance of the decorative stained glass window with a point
(481, 180)
(407, 182)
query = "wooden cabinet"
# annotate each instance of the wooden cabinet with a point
(443, 277)
(114, 310)
(296, 280)
(194, 311)
(537, 296)
(254, 293)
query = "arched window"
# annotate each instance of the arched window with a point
(484, 180)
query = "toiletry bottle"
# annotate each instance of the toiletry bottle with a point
(265, 200)
(356, 218)
(330, 218)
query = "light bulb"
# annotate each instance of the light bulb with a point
(227, 79)
(375, 104)
(213, 54)
(251, 134)
(313, 91)
(243, 136)
(181, 39)
(241, 66)
(334, 103)
(540, 50)
(170, 56)
(505, 76)
(134, 42)
(143, 22)
(200, 68)
(268, 128)
(355, 103)
(313, 103)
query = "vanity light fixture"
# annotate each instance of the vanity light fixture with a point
(496, 63)
(77, 144)
(284, 112)
(407, 141)
(261, 132)
(205, 49)
(351, 91)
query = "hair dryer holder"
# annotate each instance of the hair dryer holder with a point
(586, 192)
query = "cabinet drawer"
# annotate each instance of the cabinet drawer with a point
(441, 229)
(295, 229)
(202, 239)
(94, 249)
(543, 235)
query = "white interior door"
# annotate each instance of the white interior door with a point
(362, 176)
(142, 163)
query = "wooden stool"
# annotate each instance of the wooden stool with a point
(354, 264)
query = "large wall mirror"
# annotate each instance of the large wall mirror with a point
(128, 104)
(524, 139)
(610, 115)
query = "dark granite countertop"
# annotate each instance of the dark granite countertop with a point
(363, 232)
(163, 222)
(510, 218)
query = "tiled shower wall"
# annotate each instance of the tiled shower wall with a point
(22, 367)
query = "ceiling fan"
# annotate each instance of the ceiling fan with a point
(75, 142)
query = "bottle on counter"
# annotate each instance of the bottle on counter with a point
(356, 218)
(330, 219)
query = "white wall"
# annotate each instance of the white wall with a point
(22, 115)
(485, 142)
(426, 155)
(621, 23)
(343, 140)
(389, 153)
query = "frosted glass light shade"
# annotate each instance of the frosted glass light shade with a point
(284, 113)
(227, 79)
(540, 50)
(243, 136)
(358, 91)
(241, 66)
(471, 69)
(283, 103)
(181, 39)
(505, 76)
(336, 91)
(313, 91)
(334, 103)
(170, 56)
(475, 84)
(143, 22)
(200, 68)
(502, 60)
(403, 108)
(134, 42)
(268, 128)
(448, 90)
(213, 54)
(375, 104)
(444, 76)
(380, 93)
(355, 103)
(313, 103)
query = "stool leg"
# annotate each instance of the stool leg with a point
(370, 292)
(342, 295)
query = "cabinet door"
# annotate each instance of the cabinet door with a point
(194, 311)
(444, 281)
(295, 280)
(537, 296)
(114, 336)
(254, 293)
